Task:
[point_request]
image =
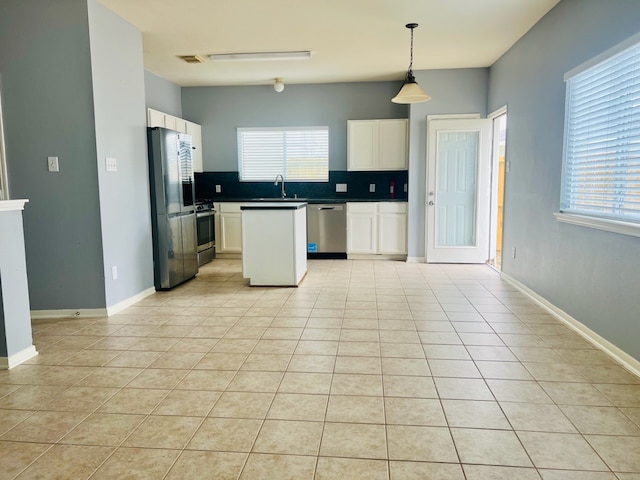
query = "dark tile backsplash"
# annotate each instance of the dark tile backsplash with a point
(357, 186)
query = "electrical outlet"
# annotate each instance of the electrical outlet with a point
(111, 164)
(114, 272)
(52, 164)
(341, 187)
(507, 166)
(372, 188)
(218, 188)
(513, 252)
(405, 188)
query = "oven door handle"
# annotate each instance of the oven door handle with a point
(209, 213)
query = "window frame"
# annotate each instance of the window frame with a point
(611, 223)
(284, 130)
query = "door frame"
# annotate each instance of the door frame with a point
(430, 118)
(4, 179)
(494, 184)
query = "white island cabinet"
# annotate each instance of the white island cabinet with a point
(274, 243)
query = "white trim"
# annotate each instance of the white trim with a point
(606, 55)
(16, 359)
(376, 256)
(4, 176)
(118, 307)
(497, 113)
(93, 312)
(620, 356)
(453, 116)
(416, 259)
(69, 313)
(12, 205)
(616, 226)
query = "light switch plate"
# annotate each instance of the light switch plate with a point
(112, 164)
(372, 188)
(52, 164)
(218, 188)
(341, 187)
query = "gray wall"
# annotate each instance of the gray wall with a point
(162, 94)
(221, 110)
(592, 275)
(48, 110)
(119, 104)
(455, 91)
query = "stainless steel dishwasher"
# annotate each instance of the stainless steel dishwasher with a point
(327, 230)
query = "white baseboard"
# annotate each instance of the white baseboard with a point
(93, 312)
(69, 313)
(416, 259)
(620, 356)
(17, 358)
(375, 256)
(118, 307)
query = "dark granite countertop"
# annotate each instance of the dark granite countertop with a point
(307, 200)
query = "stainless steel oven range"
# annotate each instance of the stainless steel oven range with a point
(205, 214)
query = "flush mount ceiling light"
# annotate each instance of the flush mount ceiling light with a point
(410, 91)
(278, 85)
(261, 56)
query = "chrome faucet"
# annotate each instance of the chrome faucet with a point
(276, 183)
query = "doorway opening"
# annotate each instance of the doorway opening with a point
(499, 167)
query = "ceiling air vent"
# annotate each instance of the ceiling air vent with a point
(191, 58)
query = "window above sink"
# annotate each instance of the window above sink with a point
(300, 154)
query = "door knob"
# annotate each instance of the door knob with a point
(431, 203)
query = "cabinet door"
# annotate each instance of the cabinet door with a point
(181, 125)
(170, 122)
(230, 233)
(392, 145)
(155, 118)
(362, 144)
(392, 233)
(195, 131)
(361, 233)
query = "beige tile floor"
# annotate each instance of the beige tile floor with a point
(368, 370)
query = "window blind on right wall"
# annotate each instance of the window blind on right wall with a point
(601, 164)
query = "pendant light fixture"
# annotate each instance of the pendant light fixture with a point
(410, 91)
(278, 85)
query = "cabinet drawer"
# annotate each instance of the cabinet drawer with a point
(362, 207)
(392, 207)
(229, 207)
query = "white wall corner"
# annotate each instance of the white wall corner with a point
(118, 307)
(416, 259)
(619, 355)
(17, 358)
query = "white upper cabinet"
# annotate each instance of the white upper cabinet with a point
(156, 118)
(377, 144)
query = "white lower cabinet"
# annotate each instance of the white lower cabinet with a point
(362, 228)
(377, 228)
(228, 226)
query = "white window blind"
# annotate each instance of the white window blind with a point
(298, 153)
(601, 165)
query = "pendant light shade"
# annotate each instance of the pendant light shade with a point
(410, 91)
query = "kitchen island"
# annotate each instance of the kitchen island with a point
(274, 242)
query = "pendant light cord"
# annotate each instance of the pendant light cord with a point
(411, 57)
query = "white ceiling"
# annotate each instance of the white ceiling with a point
(350, 40)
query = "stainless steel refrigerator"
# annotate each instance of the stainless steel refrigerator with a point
(175, 249)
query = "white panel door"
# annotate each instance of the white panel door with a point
(458, 191)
